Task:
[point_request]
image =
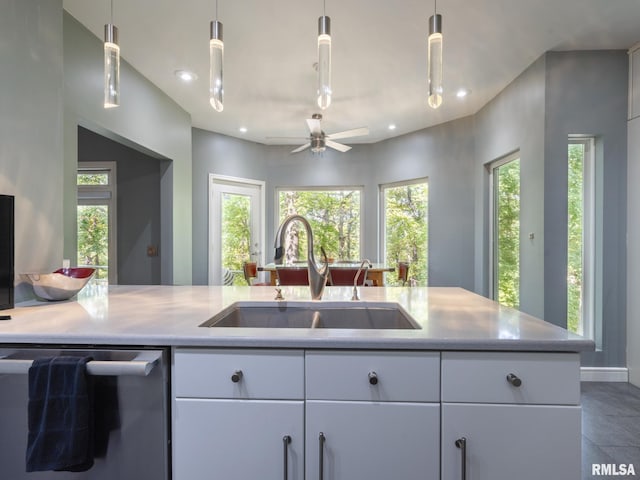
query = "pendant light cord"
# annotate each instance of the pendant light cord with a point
(216, 10)
(435, 7)
(111, 12)
(324, 7)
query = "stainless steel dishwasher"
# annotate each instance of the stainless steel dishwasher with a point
(131, 412)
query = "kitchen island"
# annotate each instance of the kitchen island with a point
(478, 390)
(449, 319)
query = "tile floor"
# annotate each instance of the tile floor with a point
(610, 426)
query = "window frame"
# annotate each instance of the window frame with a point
(102, 195)
(382, 243)
(588, 317)
(491, 167)
(325, 188)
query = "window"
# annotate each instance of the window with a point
(335, 217)
(580, 235)
(404, 219)
(505, 219)
(96, 215)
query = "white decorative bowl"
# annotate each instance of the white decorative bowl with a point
(62, 284)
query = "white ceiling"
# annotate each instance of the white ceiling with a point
(379, 55)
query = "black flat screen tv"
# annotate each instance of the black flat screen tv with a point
(7, 207)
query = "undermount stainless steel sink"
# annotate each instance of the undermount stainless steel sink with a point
(313, 315)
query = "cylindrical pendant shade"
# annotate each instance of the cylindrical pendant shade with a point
(434, 61)
(324, 62)
(111, 67)
(216, 60)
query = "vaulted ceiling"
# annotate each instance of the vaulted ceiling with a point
(379, 55)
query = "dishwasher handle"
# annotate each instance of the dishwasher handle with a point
(140, 366)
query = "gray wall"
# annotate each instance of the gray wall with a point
(147, 120)
(31, 151)
(443, 154)
(512, 121)
(138, 205)
(558, 95)
(222, 155)
(587, 94)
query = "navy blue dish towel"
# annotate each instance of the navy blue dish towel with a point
(60, 415)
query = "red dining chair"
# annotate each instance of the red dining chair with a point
(250, 270)
(345, 276)
(403, 272)
(292, 276)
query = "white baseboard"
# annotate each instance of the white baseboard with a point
(604, 374)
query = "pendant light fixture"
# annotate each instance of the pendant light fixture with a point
(324, 60)
(111, 64)
(434, 59)
(216, 59)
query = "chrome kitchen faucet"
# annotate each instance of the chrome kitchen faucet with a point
(317, 277)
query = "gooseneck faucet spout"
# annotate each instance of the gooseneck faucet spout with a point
(317, 277)
(365, 265)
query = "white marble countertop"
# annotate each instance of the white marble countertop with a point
(450, 319)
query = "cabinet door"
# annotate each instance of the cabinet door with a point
(237, 439)
(373, 441)
(506, 442)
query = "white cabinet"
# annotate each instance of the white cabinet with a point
(238, 414)
(510, 415)
(379, 414)
(237, 439)
(373, 416)
(633, 254)
(506, 442)
(372, 440)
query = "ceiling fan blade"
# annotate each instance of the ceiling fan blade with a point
(337, 146)
(286, 138)
(356, 132)
(314, 126)
(301, 147)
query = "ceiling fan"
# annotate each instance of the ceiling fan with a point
(319, 141)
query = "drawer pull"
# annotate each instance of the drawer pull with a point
(286, 440)
(373, 378)
(461, 443)
(514, 380)
(321, 441)
(237, 376)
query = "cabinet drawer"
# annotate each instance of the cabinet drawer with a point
(481, 377)
(263, 374)
(380, 376)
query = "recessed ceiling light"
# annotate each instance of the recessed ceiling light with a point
(392, 126)
(185, 75)
(463, 92)
(243, 129)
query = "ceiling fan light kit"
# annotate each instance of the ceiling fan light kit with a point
(319, 141)
(111, 64)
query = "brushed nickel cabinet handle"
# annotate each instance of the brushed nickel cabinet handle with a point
(514, 380)
(237, 376)
(286, 440)
(321, 440)
(461, 443)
